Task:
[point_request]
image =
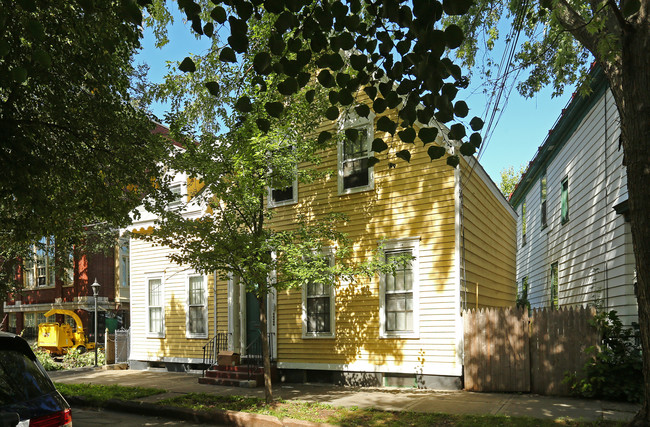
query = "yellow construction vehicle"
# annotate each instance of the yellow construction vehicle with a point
(59, 338)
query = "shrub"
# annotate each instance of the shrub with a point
(614, 369)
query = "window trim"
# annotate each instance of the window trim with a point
(554, 288)
(565, 181)
(188, 333)
(332, 333)
(176, 204)
(543, 204)
(147, 278)
(356, 123)
(400, 245)
(273, 204)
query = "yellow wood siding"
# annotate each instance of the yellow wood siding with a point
(413, 199)
(147, 260)
(489, 242)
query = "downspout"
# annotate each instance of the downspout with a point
(214, 302)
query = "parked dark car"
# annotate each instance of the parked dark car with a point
(27, 394)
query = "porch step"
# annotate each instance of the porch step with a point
(236, 376)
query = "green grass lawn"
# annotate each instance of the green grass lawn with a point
(97, 394)
(316, 412)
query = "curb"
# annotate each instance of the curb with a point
(227, 417)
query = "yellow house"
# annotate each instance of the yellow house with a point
(402, 329)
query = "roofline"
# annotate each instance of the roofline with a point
(565, 125)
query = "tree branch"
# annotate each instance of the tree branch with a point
(573, 22)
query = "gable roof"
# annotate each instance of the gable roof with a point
(564, 127)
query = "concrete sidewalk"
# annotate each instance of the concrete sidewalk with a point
(390, 399)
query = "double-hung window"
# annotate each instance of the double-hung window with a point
(565, 200)
(399, 290)
(155, 307)
(319, 307)
(39, 266)
(355, 172)
(197, 307)
(177, 192)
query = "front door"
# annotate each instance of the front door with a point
(252, 322)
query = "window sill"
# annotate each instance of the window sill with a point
(310, 336)
(283, 203)
(196, 336)
(156, 336)
(397, 335)
(355, 190)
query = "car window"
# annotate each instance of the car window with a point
(21, 378)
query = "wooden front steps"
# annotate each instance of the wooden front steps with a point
(236, 376)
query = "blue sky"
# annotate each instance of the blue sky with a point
(521, 129)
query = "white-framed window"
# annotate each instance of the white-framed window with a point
(177, 190)
(283, 196)
(124, 270)
(399, 292)
(155, 306)
(39, 269)
(319, 307)
(354, 171)
(196, 318)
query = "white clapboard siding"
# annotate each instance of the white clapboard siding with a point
(593, 249)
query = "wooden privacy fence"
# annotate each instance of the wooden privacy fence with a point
(508, 351)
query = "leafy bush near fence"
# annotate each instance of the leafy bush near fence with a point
(614, 370)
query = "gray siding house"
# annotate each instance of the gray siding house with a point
(574, 245)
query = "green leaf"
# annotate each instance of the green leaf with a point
(358, 62)
(227, 55)
(208, 29)
(41, 57)
(475, 139)
(372, 161)
(276, 44)
(630, 7)
(332, 113)
(263, 125)
(309, 96)
(219, 14)
(435, 152)
(187, 65)
(362, 110)
(4, 47)
(244, 105)
(325, 78)
(457, 131)
(213, 88)
(19, 74)
(461, 109)
(345, 97)
(324, 136)
(453, 36)
(36, 29)
(428, 135)
(407, 135)
(352, 134)
(288, 87)
(262, 63)
(405, 155)
(385, 124)
(378, 145)
(197, 25)
(476, 124)
(239, 42)
(371, 91)
(453, 161)
(274, 109)
(467, 149)
(379, 105)
(456, 7)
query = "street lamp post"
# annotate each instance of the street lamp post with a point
(95, 287)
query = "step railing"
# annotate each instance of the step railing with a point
(254, 357)
(210, 351)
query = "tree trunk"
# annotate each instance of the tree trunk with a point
(633, 102)
(268, 389)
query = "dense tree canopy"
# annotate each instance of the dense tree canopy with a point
(73, 148)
